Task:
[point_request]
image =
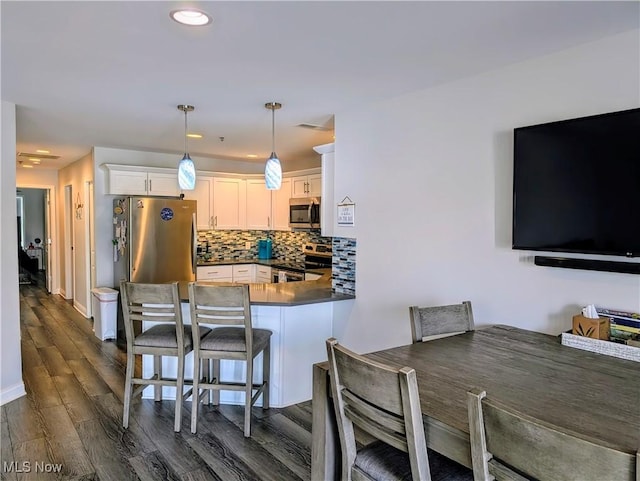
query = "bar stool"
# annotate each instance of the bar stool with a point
(158, 303)
(227, 305)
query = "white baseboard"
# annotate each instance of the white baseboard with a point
(63, 293)
(80, 308)
(11, 393)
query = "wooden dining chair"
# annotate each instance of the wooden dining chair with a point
(160, 304)
(227, 305)
(384, 403)
(428, 323)
(509, 445)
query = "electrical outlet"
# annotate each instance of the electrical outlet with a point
(247, 245)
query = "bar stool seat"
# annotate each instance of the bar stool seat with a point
(232, 339)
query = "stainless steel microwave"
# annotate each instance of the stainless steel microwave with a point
(304, 213)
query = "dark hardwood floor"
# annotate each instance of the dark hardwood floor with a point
(71, 419)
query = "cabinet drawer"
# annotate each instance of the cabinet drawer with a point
(214, 272)
(242, 270)
(263, 271)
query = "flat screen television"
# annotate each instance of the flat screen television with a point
(576, 185)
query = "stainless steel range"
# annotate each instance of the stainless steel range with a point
(317, 256)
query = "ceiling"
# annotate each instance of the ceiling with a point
(111, 74)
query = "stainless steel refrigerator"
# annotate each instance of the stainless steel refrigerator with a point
(154, 240)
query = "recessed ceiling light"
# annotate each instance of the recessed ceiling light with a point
(41, 151)
(252, 156)
(194, 136)
(27, 166)
(191, 17)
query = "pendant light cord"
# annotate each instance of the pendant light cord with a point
(185, 131)
(273, 130)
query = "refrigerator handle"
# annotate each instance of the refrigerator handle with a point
(194, 245)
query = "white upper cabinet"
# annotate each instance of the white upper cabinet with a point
(229, 203)
(280, 206)
(306, 185)
(258, 205)
(131, 180)
(203, 195)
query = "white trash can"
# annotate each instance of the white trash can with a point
(104, 302)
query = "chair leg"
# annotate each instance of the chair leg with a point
(128, 388)
(157, 369)
(206, 375)
(195, 396)
(179, 394)
(215, 378)
(266, 366)
(247, 400)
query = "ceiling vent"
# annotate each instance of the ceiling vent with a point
(38, 156)
(315, 127)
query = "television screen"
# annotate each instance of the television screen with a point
(576, 185)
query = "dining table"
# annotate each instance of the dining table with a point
(590, 395)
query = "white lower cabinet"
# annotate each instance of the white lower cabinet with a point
(263, 274)
(215, 273)
(244, 273)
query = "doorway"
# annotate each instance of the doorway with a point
(34, 218)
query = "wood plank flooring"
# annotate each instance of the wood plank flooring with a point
(69, 426)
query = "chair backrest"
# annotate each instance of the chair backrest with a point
(440, 321)
(150, 302)
(505, 442)
(226, 305)
(380, 400)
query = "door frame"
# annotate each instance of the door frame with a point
(51, 235)
(69, 240)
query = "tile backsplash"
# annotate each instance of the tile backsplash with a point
(231, 244)
(216, 245)
(343, 272)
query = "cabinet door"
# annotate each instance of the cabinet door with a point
(229, 203)
(306, 186)
(299, 186)
(258, 205)
(280, 206)
(314, 185)
(126, 182)
(214, 273)
(203, 195)
(263, 274)
(244, 273)
(163, 184)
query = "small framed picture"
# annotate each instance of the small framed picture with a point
(346, 212)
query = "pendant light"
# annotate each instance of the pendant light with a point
(272, 169)
(186, 169)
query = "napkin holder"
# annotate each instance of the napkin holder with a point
(597, 328)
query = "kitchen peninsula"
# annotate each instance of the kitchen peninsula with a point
(300, 315)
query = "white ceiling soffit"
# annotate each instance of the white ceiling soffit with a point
(111, 74)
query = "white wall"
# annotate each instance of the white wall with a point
(11, 385)
(431, 176)
(77, 175)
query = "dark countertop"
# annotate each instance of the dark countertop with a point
(285, 293)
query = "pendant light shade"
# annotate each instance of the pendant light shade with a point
(272, 169)
(186, 168)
